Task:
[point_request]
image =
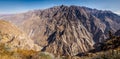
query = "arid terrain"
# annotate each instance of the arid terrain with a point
(60, 32)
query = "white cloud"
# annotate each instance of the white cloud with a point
(117, 12)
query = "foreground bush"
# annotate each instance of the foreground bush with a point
(110, 54)
(22, 54)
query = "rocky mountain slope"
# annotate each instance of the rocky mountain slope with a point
(57, 34)
(117, 33)
(15, 39)
(66, 30)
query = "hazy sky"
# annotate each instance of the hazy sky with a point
(17, 6)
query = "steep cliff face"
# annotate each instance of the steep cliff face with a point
(58, 33)
(12, 37)
(66, 30)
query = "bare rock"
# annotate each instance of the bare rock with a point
(12, 37)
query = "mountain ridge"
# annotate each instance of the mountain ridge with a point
(80, 27)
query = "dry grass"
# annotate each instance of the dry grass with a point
(22, 54)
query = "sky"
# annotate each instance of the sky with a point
(19, 6)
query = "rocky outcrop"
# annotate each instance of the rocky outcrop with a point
(15, 39)
(58, 34)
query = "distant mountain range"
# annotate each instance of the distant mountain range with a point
(66, 30)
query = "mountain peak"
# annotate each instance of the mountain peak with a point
(62, 6)
(67, 30)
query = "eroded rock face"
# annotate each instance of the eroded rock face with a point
(12, 37)
(66, 30)
(59, 32)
